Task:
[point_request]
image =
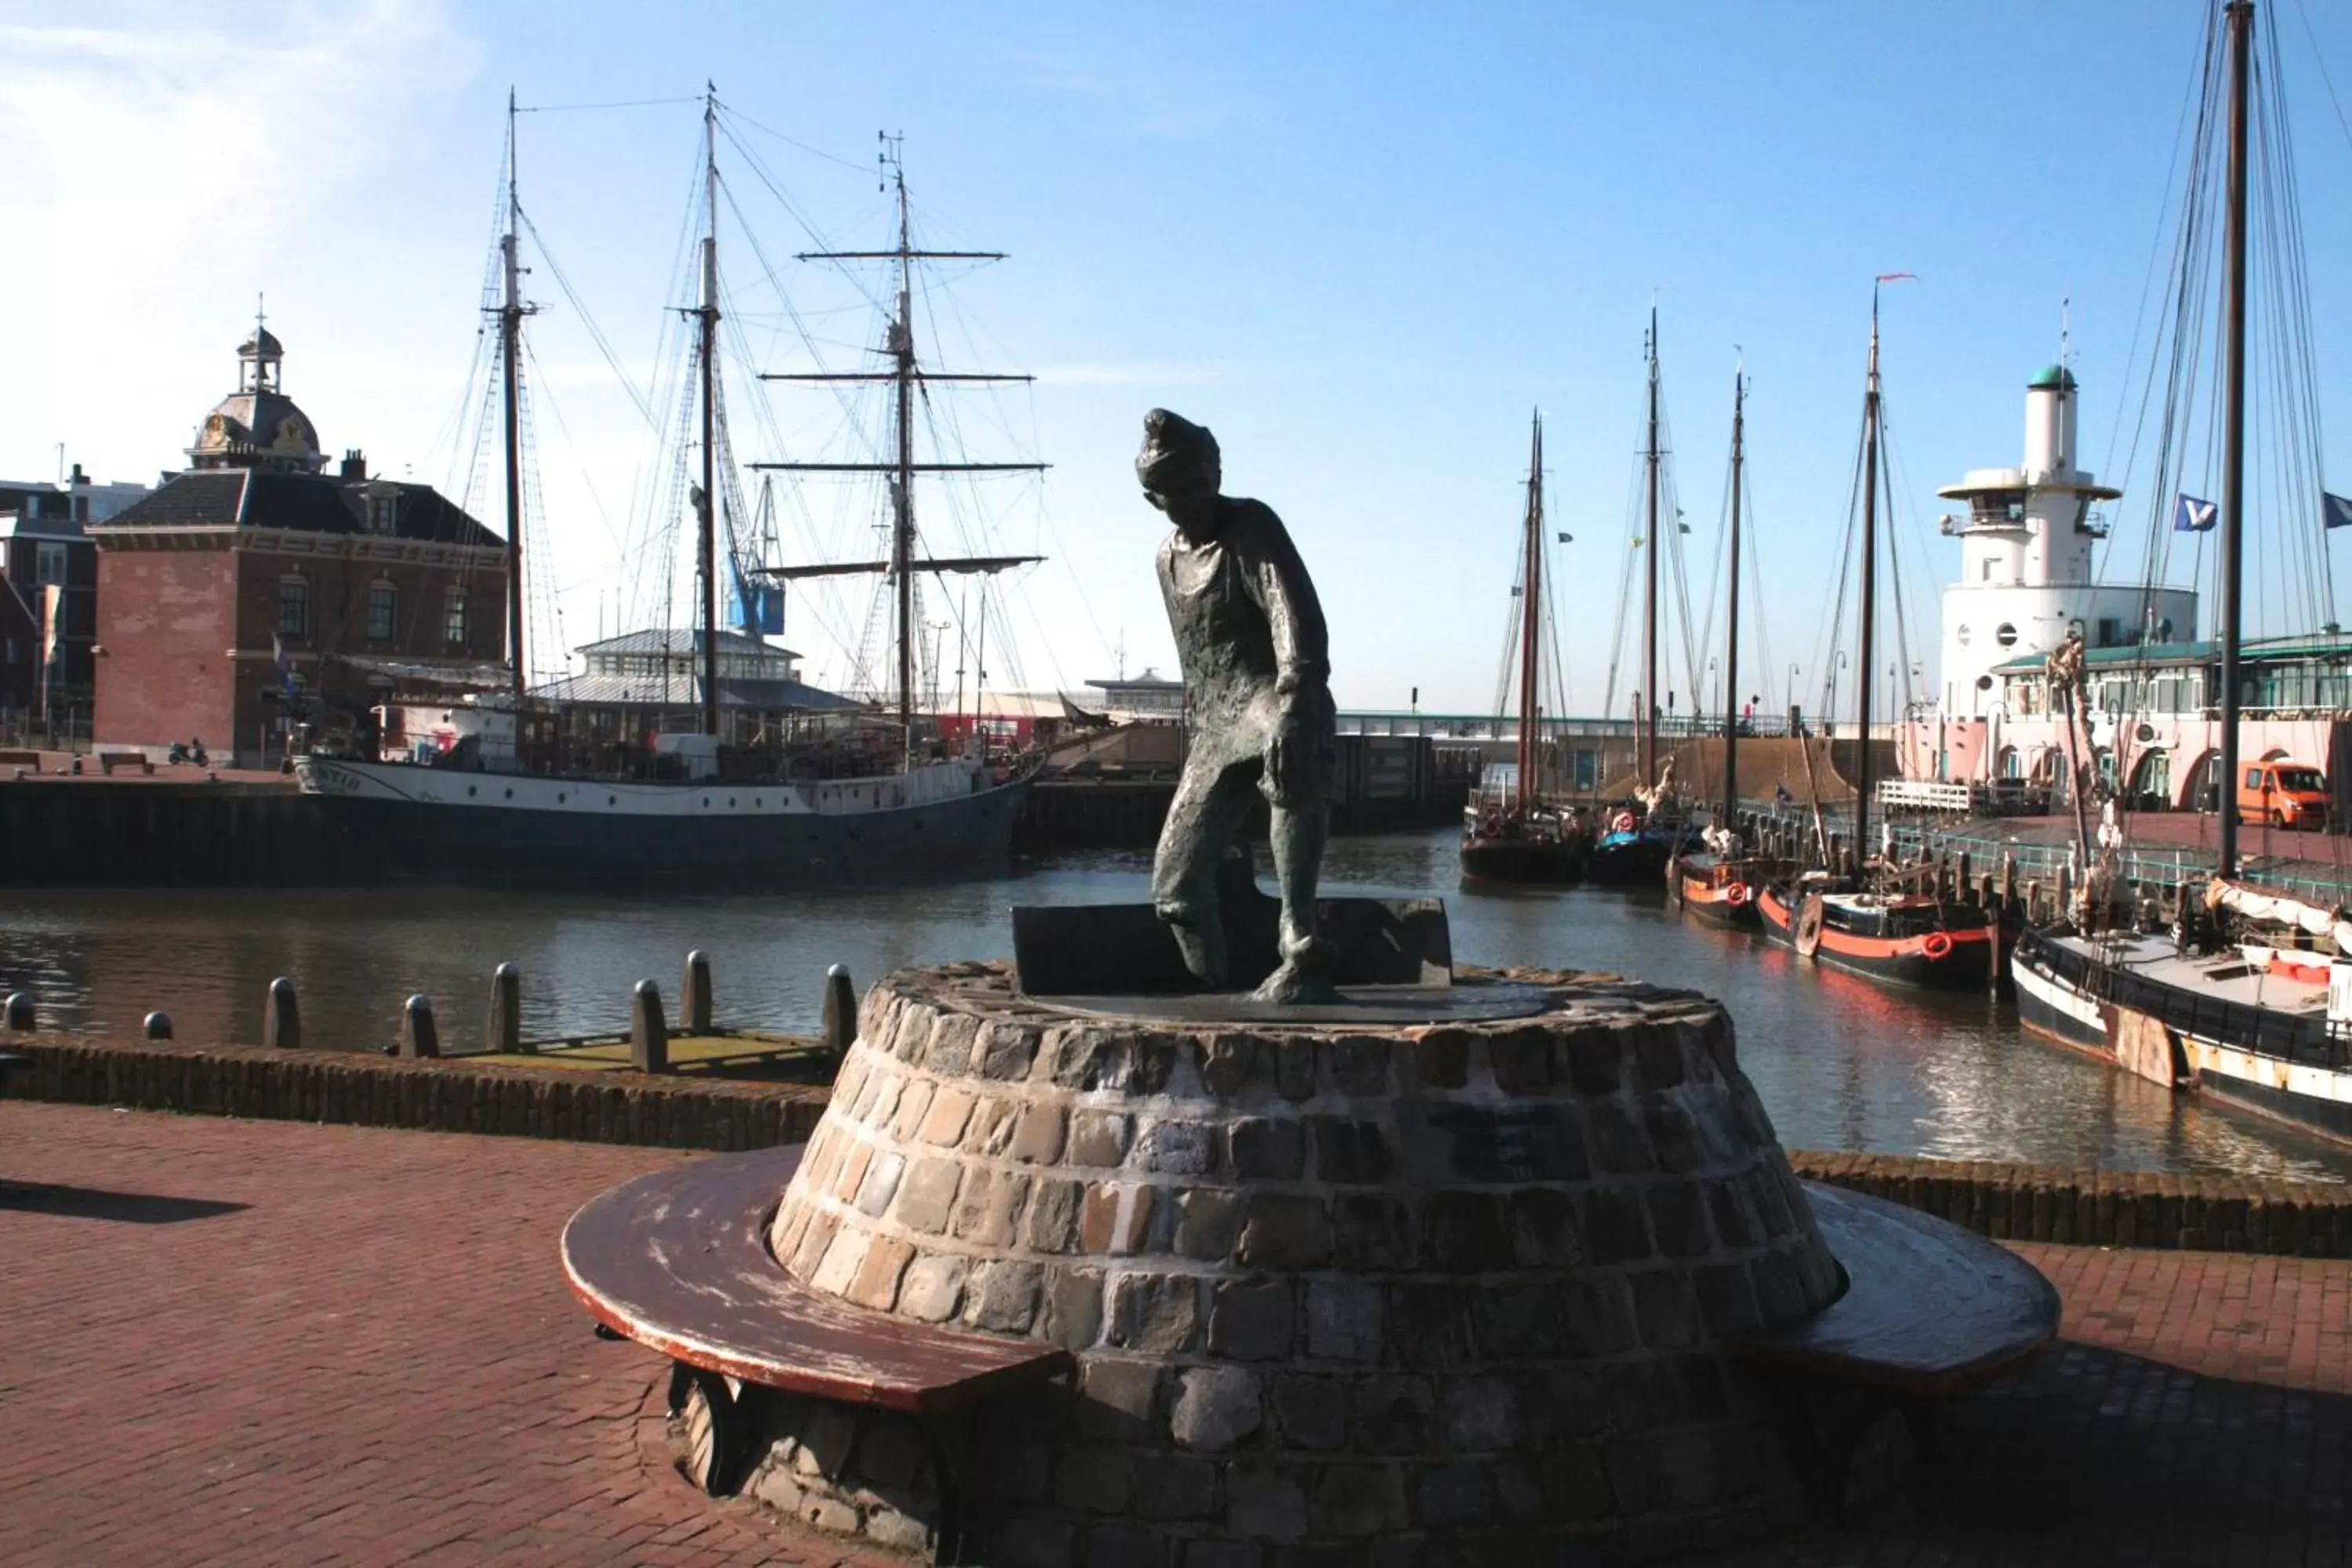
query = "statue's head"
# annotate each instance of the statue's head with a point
(1180, 467)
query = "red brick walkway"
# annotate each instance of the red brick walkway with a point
(260, 1342)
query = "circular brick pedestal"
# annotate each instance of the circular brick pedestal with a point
(1425, 1295)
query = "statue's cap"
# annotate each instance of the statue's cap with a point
(1172, 444)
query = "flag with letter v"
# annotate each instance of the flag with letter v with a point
(2190, 515)
(2335, 511)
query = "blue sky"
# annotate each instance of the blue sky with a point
(1360, 243)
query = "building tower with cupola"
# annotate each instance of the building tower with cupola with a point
(257, 426)
(2025, 561)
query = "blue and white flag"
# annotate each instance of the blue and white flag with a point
(2190, 515)
(284, 665)
(2335, 511)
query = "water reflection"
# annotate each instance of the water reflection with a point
(1842, 1064)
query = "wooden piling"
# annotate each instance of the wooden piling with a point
(505, 1027)
(694, 994)
(158, 1025)
(281, 1016)
(840, 1011)
(20, 1013)
(418, 1036)
(648, 1031)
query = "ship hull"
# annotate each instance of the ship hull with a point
(703, 834)
(2203, 1043)
(1555, 862)
(1948, 959)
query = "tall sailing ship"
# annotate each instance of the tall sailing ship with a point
(2248, 997)
(1866, 923)
(1637, 840)
(1514, 830)
(512, 803)
(1718, 884)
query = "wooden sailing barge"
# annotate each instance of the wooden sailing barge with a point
(1863, 923)
(1522, 833)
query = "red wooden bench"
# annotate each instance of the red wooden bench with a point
(678, 1261)
(1929, 1310)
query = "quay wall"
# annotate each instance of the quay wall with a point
(2004, 1201)
(360, 1089)
(179, 832)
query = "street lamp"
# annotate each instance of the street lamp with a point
(1829, 698)
(1790, 694)
(1714, 686)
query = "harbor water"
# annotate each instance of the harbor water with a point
(1840, 1063)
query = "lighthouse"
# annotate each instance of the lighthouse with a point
(2025, 563)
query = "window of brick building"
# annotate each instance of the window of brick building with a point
(293, 607)
(49, 563)
(454, 630)
(383, 605)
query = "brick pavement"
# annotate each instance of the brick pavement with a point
(261, 1343)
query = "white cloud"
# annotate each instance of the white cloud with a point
(159, 156)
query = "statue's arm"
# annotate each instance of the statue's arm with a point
(1302, 647)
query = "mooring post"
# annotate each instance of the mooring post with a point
(840, 1011)
(418, 1038)
(281, 1016)
(648, 1034)
(20, 1012)
(505, 1029)
(158, 1025)
(694, 994)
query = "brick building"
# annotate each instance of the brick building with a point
(45, 653)
(255, 570)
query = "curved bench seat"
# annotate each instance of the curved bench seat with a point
(1929, 1310)
(678, 1261)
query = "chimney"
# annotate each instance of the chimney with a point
(79, 477)
(354, 464)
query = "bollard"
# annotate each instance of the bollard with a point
(694, 994)
(158, 1026)
(504, 1028)
(840, 1011)
(418, 1038)
(20, 1012)
(648, 1035)
(281, 1016)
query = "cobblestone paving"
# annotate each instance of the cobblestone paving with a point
(262, 1342)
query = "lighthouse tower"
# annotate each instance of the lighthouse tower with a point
(2025, 561)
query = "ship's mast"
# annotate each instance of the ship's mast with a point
(1731, 639)
(1531, 625)
(2231, 565)
(1650, 704)
(510, 314)
(1867, 635)
(907, 380)
(902, 486)
(707, 532)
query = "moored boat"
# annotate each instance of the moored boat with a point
(1902, 939)
(1721, 889)
(1513, 829)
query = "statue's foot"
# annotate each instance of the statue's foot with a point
(1304, 977)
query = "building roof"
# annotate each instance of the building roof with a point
(2052, 376)
(315, 503)
(681, 640)
(1148, 680)
(640, 692)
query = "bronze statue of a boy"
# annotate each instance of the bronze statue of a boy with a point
(1257, 663)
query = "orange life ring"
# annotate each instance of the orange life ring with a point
(1937, 945)
(1737, 893)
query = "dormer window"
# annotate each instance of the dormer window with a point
(384, 513)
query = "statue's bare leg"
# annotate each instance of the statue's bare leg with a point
(1210, 805)
(1305, 975)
